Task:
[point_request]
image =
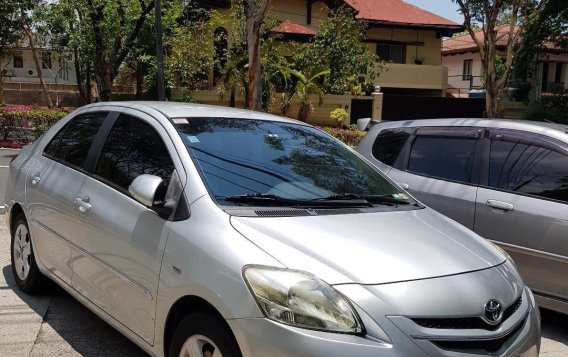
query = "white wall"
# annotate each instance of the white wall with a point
(21, 74)
(455, 71)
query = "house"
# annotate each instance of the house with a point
(406, 37)
(461, 56)
(19, 68)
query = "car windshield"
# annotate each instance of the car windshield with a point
(250, 162)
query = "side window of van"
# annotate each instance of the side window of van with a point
(388, 145)
(444, 157)
(528, 168)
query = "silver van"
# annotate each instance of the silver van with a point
(208, 231)
(506, 180)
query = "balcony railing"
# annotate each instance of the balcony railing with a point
(413, 76)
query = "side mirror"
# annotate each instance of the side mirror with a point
(148, 190)
(363, 124)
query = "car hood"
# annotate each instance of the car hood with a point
(371, 248)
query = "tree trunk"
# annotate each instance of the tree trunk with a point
(1, 90)
(37, 61)
(139, 82)
(79, 78)
(255, 10)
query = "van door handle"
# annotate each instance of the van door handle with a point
(83, 204)
(500, 205)
(403, 185)
(36, 179)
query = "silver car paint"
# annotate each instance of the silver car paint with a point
(209, 255)
(533, 233)
(421, 244)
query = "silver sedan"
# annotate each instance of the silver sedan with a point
(206, 231)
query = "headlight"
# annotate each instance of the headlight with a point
(300, 299)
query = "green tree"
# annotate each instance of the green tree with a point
(105, 31)
(10, 35)
(549, 26)
(338, 46)
(487, 15)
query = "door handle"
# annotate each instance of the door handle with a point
(83, 204)
(500, 205)
(36, 179)
(403, 185)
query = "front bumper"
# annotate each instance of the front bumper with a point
(391, 314)
(263, 337)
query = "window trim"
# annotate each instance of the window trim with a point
(401, 160)
(543, 140)
(65, 127)
(467, 65)
(20, 57)
(449, 131)
(94, 159)
(403, 45)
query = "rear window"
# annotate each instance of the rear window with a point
(448, 158)
(72, 144)
(388, 145)
(528, 168)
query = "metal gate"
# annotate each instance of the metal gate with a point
(405, 107)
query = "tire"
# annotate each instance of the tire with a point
(203, 333)
(26, 273)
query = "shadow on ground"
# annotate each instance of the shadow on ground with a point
(69, 328)
(554, 326)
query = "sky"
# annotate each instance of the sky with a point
(444, 8)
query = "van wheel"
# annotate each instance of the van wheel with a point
(201, 335)
(26, 273)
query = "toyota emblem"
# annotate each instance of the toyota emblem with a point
(493, 312)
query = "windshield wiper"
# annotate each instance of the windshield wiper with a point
(269, 199)
(370, 199)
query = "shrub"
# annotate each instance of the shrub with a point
(553, 108)
(339, 116)
(351, 136)
(27, 123)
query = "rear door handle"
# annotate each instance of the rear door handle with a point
(403, 185)
(83, 204)
(500, 205)
(36, 179)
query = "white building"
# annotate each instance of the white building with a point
(19, 68)
(461, 56)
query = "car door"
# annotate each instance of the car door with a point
(118, 257)
(523, 205)
(441, 170)
(52, 182)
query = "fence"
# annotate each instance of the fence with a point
(319, 116)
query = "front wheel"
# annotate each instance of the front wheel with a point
(26, 273)
(201, 335)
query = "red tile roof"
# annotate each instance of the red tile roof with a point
(398, 12)
(290, 27)
(465, 43)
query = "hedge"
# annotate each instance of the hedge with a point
(26, 124)
(351, 136)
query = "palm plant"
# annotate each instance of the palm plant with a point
(303, 87)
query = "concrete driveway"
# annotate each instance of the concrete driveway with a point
(54, 324)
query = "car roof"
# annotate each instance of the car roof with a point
(195, 110)
(547, 128)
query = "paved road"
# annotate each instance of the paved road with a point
(54, 324)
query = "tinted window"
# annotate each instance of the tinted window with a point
(76, 141)
(133, 148)
(528, 168)
(448, 158)
(388, 145)
(242, 156)
(51, 148)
